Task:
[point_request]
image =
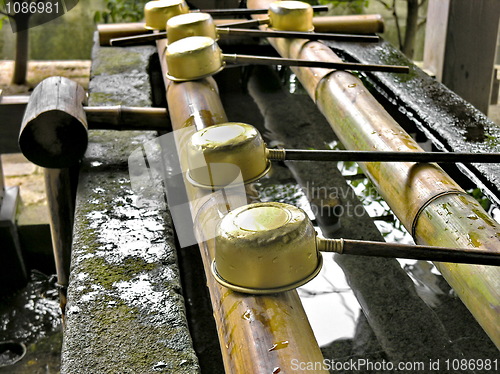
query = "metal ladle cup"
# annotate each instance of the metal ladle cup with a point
(291, 16)
(265, 248)
(158, 12)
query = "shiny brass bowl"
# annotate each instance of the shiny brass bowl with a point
(193, 58)
(191, 24)
(158, 12)
(218, 154)
(265, 248)
(291, 16)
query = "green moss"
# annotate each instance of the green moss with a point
(97, 98)
(116, 61)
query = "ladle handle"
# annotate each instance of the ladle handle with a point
(416, 252)
(260, 60)
(137, 39)
(296, 34)
(247, 23)
(382, 156)
(247, 12)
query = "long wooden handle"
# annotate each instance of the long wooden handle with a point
(260, 60)
(137, 39)
(416, 252)
(148, 38)
(296, 34)
(382, 156)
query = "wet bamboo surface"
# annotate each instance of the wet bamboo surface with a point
(432, 206)
(257, 334)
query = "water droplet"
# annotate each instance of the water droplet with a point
(247, 315)
(275, 260)
(352, 85)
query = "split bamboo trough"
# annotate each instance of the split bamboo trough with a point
(431, 205)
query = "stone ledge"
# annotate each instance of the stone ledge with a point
(125, 310)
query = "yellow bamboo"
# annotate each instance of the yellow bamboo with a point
(427, 201)
(257, 334)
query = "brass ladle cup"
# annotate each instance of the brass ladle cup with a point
(240, 144)
(197, 57)
(271, 247)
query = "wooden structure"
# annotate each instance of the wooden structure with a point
(460, 58)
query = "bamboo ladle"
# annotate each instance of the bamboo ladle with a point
(197, 57)
(202, 24)
(271, 247)
(217, 154)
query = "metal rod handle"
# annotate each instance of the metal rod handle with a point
(249, 59)
(382, 156)
(137, 39)
(296, 34)
(147, 38)
(416, 252)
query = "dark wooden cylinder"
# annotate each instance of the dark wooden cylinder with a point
(54, 128)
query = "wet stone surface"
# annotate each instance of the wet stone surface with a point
(125, 310)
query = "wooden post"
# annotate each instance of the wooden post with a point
(62, 210)
(460, 46)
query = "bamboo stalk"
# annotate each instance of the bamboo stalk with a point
(248, 326)
(417, 194)
(118, 117)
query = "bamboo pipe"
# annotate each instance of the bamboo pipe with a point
(426, 200)
(226, 31)
(246, 347)
(358, 24)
